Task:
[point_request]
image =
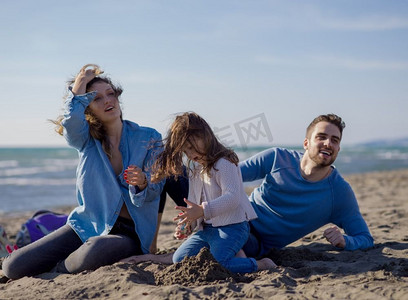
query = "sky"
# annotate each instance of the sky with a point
(257, 71)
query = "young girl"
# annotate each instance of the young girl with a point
(217, 206)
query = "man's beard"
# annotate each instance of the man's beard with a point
(322, 162)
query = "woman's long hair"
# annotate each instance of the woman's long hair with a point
(96, 128)
(188, 127)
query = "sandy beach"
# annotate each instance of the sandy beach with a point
(308, 269)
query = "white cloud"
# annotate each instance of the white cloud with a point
(329, 61)
(277, 60)
(365, 23)
(360, 64)
(177, 77)
(301, 16)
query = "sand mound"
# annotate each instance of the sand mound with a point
(197, 270)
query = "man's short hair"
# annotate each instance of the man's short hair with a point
(331, 118)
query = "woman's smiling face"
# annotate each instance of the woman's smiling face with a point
(105, 105)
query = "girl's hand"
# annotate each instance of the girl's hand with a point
(135, 176)
(85, 75)
(190, 213)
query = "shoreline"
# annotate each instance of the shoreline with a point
(249, 186)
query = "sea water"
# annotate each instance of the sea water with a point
(36, 178)
(44, 178)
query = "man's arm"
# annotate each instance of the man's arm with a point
(347, 216)
(257, 166)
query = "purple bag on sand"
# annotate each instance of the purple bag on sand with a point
(39, 225)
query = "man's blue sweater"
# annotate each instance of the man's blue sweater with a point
(290, 207)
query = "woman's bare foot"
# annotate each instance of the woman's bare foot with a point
(166, 258)
(265, 264)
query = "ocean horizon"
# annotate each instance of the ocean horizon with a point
(34, 178)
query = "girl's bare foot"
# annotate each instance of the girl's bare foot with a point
(265, 264)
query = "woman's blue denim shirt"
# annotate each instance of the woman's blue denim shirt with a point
(100, 193)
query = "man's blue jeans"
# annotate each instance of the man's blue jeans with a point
(224, 242)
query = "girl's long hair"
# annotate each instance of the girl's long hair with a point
(96, 128)
(188, 127)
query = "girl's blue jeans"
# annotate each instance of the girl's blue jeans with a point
(224, 242)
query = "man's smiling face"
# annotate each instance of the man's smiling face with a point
(323, 144)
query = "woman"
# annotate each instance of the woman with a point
(117, 203)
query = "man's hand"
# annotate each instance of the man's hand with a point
(335, 237)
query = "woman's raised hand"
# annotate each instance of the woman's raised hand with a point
(85, 75)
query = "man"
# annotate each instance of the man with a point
(303, 192)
